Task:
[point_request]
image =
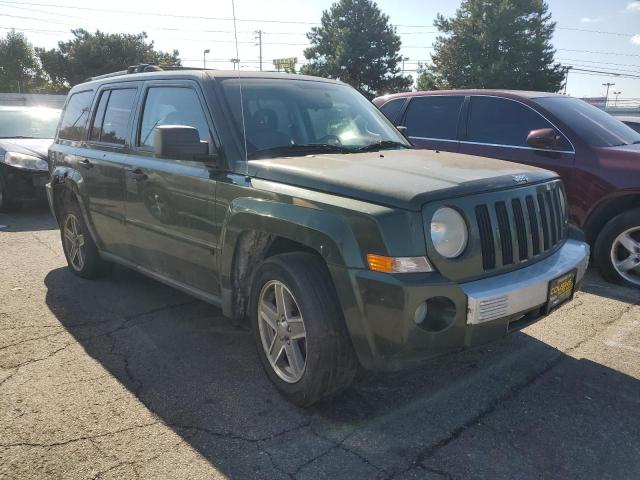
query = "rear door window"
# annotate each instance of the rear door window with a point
(111, 125)
(74, 119)
(434, 117)
(504, 122)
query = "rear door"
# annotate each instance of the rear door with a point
(498, 127)
(104, 161)
(433, 121)
(170, 202)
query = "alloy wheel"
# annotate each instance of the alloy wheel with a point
(625, 255)
(74, 242)
(282, 331)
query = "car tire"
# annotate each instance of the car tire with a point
(311, 308)
(618, 248)
(79, 248)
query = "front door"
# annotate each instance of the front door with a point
(432, 121)
(170, 202)
(498, 128)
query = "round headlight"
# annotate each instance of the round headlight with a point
(449, 232)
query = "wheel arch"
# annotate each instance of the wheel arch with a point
(256, 229)
(606, 210)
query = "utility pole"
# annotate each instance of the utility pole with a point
(566, 78)
(259, 38)
(235, 61)
(606, 97)
(204, 58)
(616, 94)
(403, 59)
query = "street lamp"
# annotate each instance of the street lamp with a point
(615, 104)
(235, 62)
(606, 97)
(204, 58)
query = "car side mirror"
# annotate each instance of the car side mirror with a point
(543, 138)
(403, 130)
(180, 142)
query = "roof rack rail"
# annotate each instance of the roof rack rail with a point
(140, 68)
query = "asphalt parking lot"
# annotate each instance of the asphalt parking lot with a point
(126, 378)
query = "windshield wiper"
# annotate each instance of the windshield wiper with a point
(382, 145)
(302, 149)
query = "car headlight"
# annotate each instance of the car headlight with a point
(449, 232)
(25, 162)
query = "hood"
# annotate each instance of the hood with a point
(399, 178)
(38, 147)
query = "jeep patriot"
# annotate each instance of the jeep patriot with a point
(292, 202)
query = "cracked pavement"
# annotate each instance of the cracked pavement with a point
(126, 378)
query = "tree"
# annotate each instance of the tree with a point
(426, 80)
(497, 44)
(19, 68)
(91, 54)
(356, 44)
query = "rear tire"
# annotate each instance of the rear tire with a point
(79, 248)
(311, 353)
(617, 249)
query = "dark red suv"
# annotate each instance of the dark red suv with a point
(597, 156)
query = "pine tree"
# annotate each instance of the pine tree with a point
(356, 44)
(496, 44)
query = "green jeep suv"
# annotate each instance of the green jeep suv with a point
(291, 201)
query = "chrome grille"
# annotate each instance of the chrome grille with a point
(521, 228)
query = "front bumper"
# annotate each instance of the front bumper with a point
(380, 308)
(23, 185)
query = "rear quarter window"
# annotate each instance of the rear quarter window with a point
(74, 118)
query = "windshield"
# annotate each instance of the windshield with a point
(594, 126)
(289, 114)
(29, 123)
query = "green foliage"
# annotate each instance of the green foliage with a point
(19, 68)
(496, 44)
(91, 54)
(426, 79)
(356, 44)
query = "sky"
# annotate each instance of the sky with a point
(191, 26)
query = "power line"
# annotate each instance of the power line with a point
(294, 22)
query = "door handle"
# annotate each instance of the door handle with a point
(137, 174)
(86, 163)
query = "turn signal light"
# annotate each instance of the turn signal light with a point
(380, 263)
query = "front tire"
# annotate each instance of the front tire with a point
(617, 249)
(79, 248)
(299, 329)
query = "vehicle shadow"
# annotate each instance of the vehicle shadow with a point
(594, 284)
(201, 376)
(28, 218)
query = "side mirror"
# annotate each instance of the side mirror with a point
(179, 142)
(403, 130)
(543, 138)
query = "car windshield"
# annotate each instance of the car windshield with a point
(29, 123)
(593, 125)
(298, 117)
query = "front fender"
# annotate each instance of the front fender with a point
(322, 231)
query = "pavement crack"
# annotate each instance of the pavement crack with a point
(77, 439)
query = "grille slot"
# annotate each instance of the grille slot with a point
(543, 220)
(533, 225)
(521, 229)
(486, 237)
(527, 224)
(505, 233)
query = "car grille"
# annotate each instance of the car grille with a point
(521, 227)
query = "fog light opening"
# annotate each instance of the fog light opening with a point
(435, 314)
